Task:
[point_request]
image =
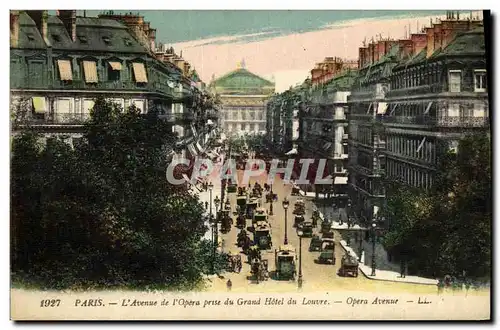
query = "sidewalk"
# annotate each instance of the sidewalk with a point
(385, 275)
(389, 272)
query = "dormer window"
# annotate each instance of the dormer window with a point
(83, 39)
(31, 37)
(106, 39)
(56, 37)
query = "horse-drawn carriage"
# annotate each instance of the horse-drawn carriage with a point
(232, 188)
(243, 240)
(270, 197)
(252, 205)
(241, 221)
(306, 227)
(315, 218)
(326, 226)
(260, 215)
(349, 266)
(241, 203)
(226, 221)
(242, 191)
(315, 244)
(262, 235)
(295, 190)
(327, 255)
(260, 270)
(298, 219)
(234, 262)
(285, 262)
(257, 190)
(299, 207)
(253, 253)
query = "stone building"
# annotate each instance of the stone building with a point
(413, 99)
(244, 97)
(324, 131)
(367, 103)
(60, 64)
(436, 96)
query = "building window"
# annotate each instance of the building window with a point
(479, 80)
(114, 71)
(479, 109)
(454, 110)
(455, 79)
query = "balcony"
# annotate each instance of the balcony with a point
(463, 122)
(153, 87)
(418, 90)
(412, 120)
(55, 119)
(439, 122)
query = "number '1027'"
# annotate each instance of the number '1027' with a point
(50, 303)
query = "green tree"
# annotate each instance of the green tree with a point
(448, 229)
(103, 213)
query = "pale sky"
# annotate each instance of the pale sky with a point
(289, 58)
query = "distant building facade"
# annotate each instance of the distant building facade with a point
(244, 96)
(60, 64)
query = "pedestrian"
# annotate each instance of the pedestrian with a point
(229, 284)
(206, 205)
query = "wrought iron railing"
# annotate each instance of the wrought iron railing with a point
(442, 121)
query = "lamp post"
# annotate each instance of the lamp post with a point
(217, 214)
(210, 187)
(286, 203)
(300, 233)
(271, 201)
(374, 226)
(360, 244)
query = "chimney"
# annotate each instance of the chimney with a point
(406, 47)
(152, 38)
(361, 57)
(40, 17)
(371, 52)
(451, 28)
(68, 18)
(419, 42)
(430, 41)
(14, 28)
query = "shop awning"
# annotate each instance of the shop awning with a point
(192, 150)
(116, 66)
(90, 71)
(65, 72)
(39, 104)
(140, 72)
(340, 180)
(292, 152)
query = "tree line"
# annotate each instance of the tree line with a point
(446, 230)
(101, 213)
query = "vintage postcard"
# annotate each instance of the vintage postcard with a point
(250, 165)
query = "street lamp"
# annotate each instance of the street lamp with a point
(210, 187)
(300, 233)
(217, 203)
(374, 226)
(271, 201)
(286, 203)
